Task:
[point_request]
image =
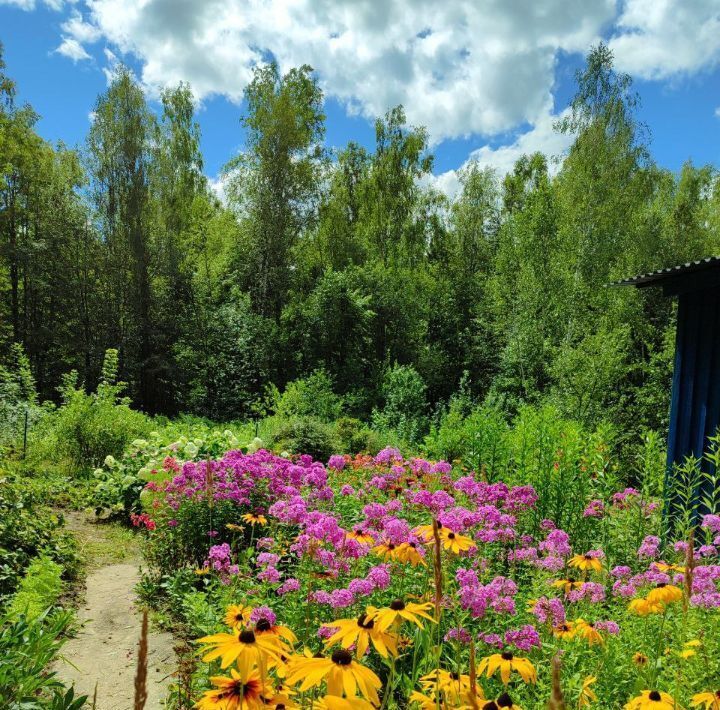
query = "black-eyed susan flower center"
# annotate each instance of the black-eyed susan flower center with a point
(263, 625)
(492, 705)
(451, 536)
(247, 636)
(507, 656)
(365, 623)
(504, 701)
(655, 696)
(455, 676)
(660, 585)
(397, 605)
(587, 557)
(342, 657)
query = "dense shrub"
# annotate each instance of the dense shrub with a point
(404, 403)
(354, 437)
(27, 530)
(312, 396)
(477, 435)
(305, 435)
(88, 427)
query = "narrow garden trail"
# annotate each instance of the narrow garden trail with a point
(104, 653)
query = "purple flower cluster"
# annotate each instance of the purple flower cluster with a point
(220, 560)
(498, 595)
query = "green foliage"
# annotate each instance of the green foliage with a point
(404, 403)
(310, 396)
(39, 589)
(28, 530)
(354, 437)
(87, 428)
(226, 359)
(476, 435)
(27, 647)
(304, 435)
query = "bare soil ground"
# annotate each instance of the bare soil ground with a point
(104, 653)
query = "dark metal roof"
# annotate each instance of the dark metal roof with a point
(661, 276)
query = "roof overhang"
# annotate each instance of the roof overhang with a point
(692, 276)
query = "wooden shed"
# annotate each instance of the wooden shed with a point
(695, 400)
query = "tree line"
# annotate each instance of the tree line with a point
(346, 261)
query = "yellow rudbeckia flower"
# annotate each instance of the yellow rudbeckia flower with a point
(586, 563)
(453, 688)
(587, 694)
(362, 631)
(246, 647)
(237, 692)
(643, 607)
(586, 629)
(652, 700)
(709, 700)
(506, 663)
(341, 673)
(664, 594)
(399, 611)
(455, 542)
(237, 615)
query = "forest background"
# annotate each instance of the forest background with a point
(339, 284)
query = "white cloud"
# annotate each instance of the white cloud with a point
(658, 39)
(72, 49)
(32, 4)
(76, 27)
(717, 112)
(540, 138)
(459, 66)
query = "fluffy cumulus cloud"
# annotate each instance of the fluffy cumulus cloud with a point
(659, 39)
(72, 49)
(459, 67)
(541, 137)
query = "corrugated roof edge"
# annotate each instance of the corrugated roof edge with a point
(653, 277)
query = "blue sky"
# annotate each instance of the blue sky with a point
(487, 79)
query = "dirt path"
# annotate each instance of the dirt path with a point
(104, 651)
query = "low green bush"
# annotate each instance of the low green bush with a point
(27, 530)
(354, 437)
(311, 396)
(87, 428)
(305, 435)
(39, 589)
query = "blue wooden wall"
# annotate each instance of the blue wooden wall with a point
(695, 404)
